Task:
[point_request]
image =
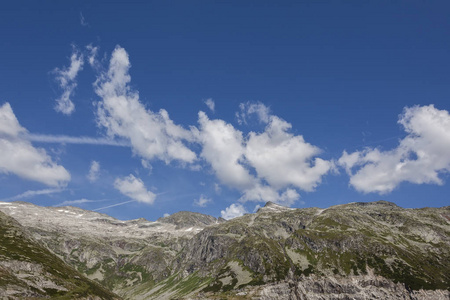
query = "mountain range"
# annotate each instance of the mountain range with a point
(374, 250)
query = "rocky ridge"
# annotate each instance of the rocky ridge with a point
(355, 250)
(28, 270)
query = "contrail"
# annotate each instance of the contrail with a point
(64, 139)
(122, 203)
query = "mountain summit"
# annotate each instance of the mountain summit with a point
(185, 219)
(273, 207)
(358, 250)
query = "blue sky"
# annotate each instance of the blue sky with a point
(140, 109)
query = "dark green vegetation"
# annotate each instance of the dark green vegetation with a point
(34, 271)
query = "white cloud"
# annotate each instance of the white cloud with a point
(75, 202)
(283, 159)
(29, 194)
(92, 58)
(223, 148)
(265, 193)
(94, 171)
(249, 108)
(83, 20)
(233, 211)
(210, 103)
(19, 157)
(9, 125)
(202, 201)
(268, 165)
(217, 188)
(265, 166)
(166, 215)
(419, 158)
(66, 79)
(135, 189)
(147, 165)
(152, 135)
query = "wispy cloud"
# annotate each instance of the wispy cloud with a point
(94, 171)
(83, 21)
(210, 103)
(74, 202)
(66, 78)
(29, 194)
(85, 140)
(202, 201)
(92, 56)
(250, 108)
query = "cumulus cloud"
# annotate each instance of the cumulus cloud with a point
(19, 157)
(283, 159)
(223, 148)
(152, 135)
(94, 171)
(265, 166)
(202, 201)
(66, 78)
(233, 211)
(267, 193)
(421, 157)
(135, 189)
(210, 103)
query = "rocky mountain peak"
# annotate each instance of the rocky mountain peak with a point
(381, 203)
(187, 219)
(273, 207)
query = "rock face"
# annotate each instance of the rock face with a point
(29, 270)
(186, 219)
(353, 287)
(354, 251)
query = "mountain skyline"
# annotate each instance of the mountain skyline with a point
(219, 108)
(356, 250)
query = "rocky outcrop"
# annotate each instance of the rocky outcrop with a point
(28, 270)
(358, 250)
(187, 219)
(353, 287)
